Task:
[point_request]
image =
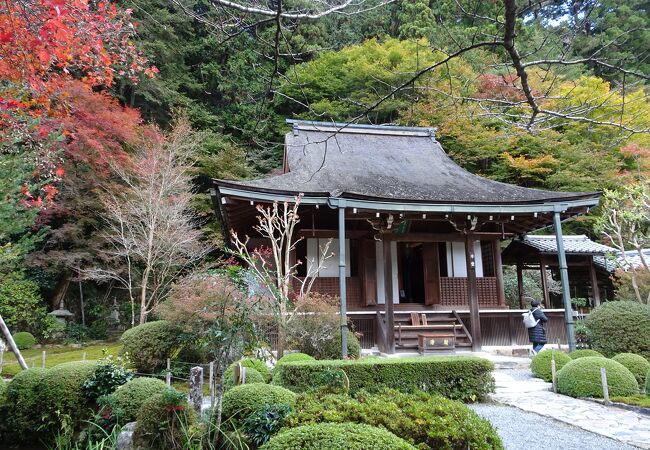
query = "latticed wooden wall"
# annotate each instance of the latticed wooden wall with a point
(453, 291)
(330, 286)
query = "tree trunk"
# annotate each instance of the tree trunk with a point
(61, 290)
(143, 297)
(81, 304)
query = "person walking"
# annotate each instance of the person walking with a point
(537, 333)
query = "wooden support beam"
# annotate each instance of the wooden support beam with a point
(342, 285)
(444, 237)
(388, 289)
(520, 285)
(498, 272)
(472, 292)
(594, 282)
(564, 278)
(542, 274)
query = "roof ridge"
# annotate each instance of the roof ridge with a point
(552, 236)
(347, 127)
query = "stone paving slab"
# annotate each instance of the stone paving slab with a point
(536, 396)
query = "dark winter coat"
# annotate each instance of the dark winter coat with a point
(538, 332)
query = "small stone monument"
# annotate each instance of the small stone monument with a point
(114, 316)
(62, 314)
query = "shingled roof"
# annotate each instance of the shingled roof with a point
(573, 244)
(617, 261)
(385, 163)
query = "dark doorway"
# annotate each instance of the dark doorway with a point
(412, 286)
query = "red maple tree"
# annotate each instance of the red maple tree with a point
(52, 52)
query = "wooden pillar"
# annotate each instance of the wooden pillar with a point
(564, 277)
(520, 284)
(498, 272)
(472, 292)
(388, 290)
(594, 282)
(542, 274)
(342, 287)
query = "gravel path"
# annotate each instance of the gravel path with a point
(520, 374)
(521, 430)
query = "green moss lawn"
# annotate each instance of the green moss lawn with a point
(635, 400)
(56, 355)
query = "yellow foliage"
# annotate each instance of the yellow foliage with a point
(531, 168)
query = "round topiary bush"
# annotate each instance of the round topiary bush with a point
(620, 327)
(24, 340)
(332, 349)
(541, 363)
(252, 376)
(62, 391)
(581, 378)
(583, 353)
(243, 400)
(335, 436)
(161, 420)
(23, 394)
(424, 420)
(131, 396)
(638, 365)
(258, 365)
(150, 344)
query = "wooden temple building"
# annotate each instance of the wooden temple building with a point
(417, 238)
(590, 277)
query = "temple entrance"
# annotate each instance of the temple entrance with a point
(411, 268)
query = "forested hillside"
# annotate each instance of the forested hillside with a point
(548, 94)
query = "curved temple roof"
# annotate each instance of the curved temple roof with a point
(388, 164)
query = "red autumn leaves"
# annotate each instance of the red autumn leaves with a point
(53, 56)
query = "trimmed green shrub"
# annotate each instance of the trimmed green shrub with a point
(581, 378)
(294, 357)
(424, 420)
(150, 344)
(459, 378)
(23, 397)
(252, 376)
(541, 363)
(620, 327)
(258, 365)
(131, 396)
(161, 419)
(336, 436)
(637, 364)
(582, 353)
(329, 348)
(332, 349)
(24, 340)
(63, 394)
(243, 400)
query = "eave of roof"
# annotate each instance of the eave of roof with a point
(573, 244)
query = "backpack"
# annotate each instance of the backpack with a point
(529, 319)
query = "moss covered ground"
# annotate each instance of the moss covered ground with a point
(56, 355)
